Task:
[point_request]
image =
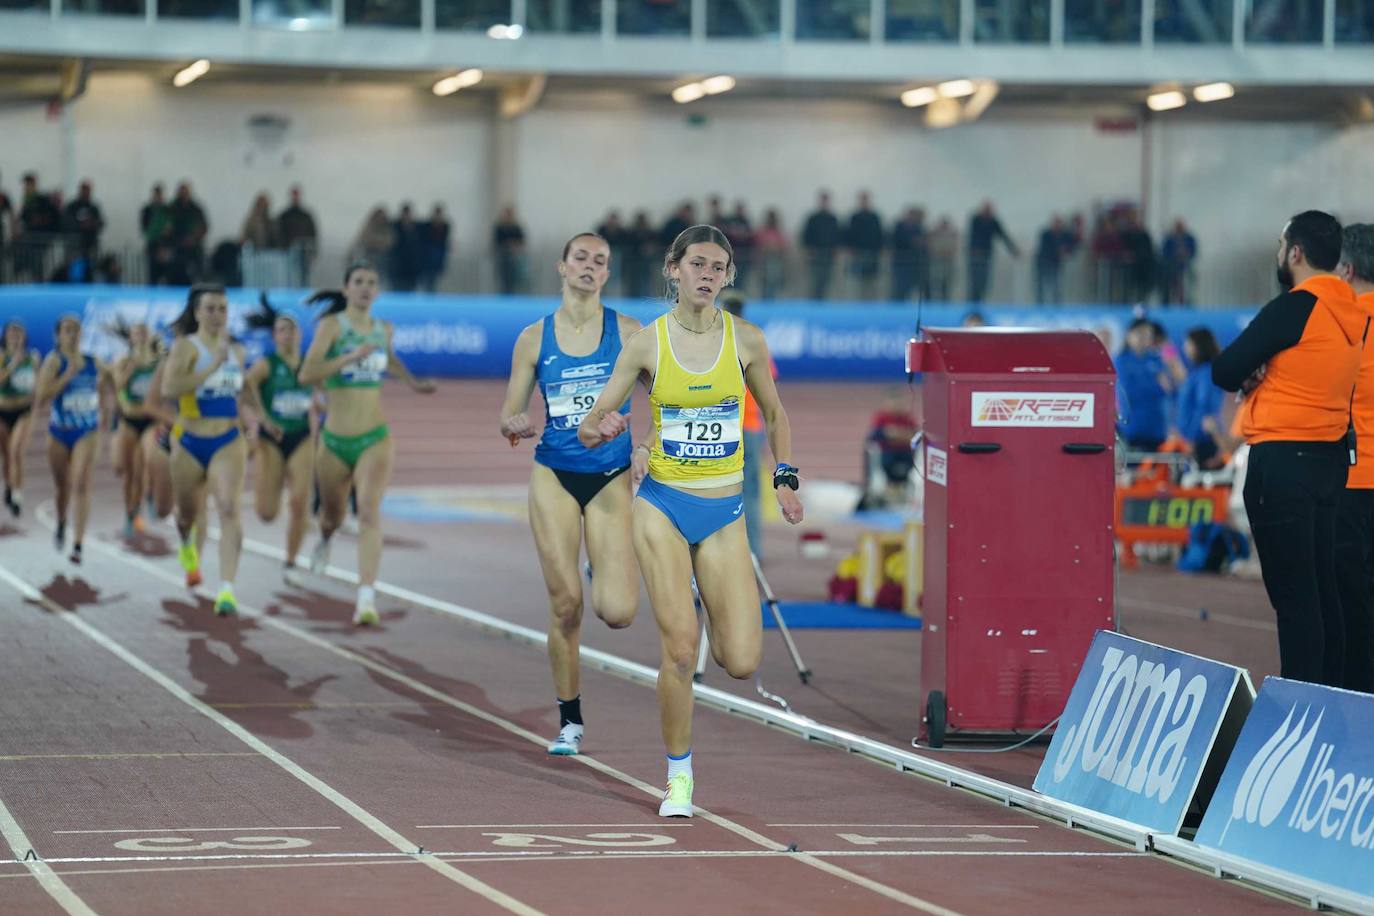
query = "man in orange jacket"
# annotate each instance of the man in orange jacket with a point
(1355, 518)
(1298, 361)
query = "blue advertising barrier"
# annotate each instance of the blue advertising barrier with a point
(1297, 792)
(1139, 729)
(472, 336)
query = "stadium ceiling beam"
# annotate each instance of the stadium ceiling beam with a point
(373, 48)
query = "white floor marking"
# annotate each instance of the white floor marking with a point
(345, 804)
(41, 871)
(198, 829)
(932, 826)
(746, 833)
(571, 855)
(540, 826)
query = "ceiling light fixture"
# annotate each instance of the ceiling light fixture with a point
(462, 80)
(718, 84)
(688, 93)
(1163, 101)
(192, 73)
(956, 89)
(1214, 92)
(915, 98)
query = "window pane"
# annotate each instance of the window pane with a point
(834, 19)
(654, 17)
(1284, 21)
(563, 15)
(104, 7)
(1355, 20)
(742, 18)
(292, 14)
(922, 20)
(382, 12)
(1193, 21)
(198, 9)
(472, 15)
(1011, 20)
(1111, 21)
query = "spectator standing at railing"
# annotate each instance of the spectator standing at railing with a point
(821, 238)
(39, 220)
(435, 234)
(189, 228)
(910, 257)
(1140, 259)
(641, 246)
(83, 217)
(7, 233)
(740, 233)
(296, 226)
(375, 239)
(155, 225)
(1057, 242)
(864, 239)
(1176, 256)
(770, 245)
(511, 259)
(984, 229)
(943, 248)
(408, 251)
(259, 228)
(617, 236)
(1144, 388)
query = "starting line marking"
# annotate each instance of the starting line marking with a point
(348, 806)
(38, 869)
(128, 560)
(584, 854)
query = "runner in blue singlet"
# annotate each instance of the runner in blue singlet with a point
(573, 489)
(73, 382)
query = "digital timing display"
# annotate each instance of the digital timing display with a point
(1166, 511)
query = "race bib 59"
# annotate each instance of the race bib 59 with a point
(570, 402)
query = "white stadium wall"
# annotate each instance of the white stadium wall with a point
(353, 146)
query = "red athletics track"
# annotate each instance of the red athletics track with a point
(157, 759)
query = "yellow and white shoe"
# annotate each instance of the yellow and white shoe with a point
(366, 614)
(226, 605)
(677, 798)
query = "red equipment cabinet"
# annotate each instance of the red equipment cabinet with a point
(1019, 439)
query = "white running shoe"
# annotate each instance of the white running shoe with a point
(568, 743)
(366, 614)
(677, 798)
(320, 558)
(292, 576)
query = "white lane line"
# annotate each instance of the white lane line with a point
(57, 888)
(349, 807)
(740, 830)
(542, 855)
(935, 826)
(366, 863)
(1174, 610)
(200, 829)
(540, 826)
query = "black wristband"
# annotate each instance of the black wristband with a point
(785, 476)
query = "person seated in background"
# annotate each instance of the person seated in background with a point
(974, 319)
(1144, 387)
(889, 453)
(1198, 414)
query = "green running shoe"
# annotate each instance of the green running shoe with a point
(677, 798)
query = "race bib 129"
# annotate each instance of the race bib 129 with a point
(700, 432)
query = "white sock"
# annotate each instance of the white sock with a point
(681, 766)
(226, 586)
(367, 594)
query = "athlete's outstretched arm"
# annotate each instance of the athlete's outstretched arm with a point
(251, 397)
(605, 421)
(758, 375)
(515, 420)
(398, 368)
